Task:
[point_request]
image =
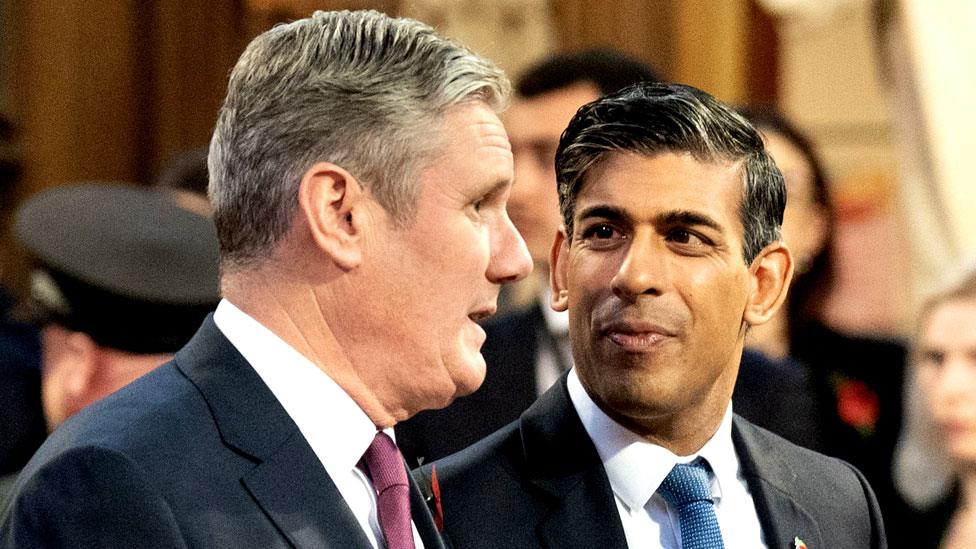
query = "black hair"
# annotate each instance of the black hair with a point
(650, 118)
(607, 69)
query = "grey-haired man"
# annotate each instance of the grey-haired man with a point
(359, 176)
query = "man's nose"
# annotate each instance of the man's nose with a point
(510, 260)
(644, 268)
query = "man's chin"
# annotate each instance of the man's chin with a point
(465, 374)
(469, 376)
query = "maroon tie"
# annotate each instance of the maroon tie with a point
(389, 475)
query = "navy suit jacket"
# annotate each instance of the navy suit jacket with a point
(198, 453)
(774, 395)
(539, 482)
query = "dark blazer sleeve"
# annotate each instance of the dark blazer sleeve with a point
(89, 497)
(824, 501)
(878, 537)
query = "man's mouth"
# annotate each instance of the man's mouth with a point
(635, 340)
(636, 335)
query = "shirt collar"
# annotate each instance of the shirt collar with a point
(336, 428)
(636, 467)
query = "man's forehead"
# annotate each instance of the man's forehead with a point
(679, 182)
(474, 150)
(474, 124)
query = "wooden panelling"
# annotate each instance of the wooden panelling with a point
(108, 90)
(711, 52)
(193, 48)
(762, 57)
(76, 81)
(642, 28)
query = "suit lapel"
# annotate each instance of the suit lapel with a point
(302, 500)
(288, 481)
(562, 462)
(769, 478)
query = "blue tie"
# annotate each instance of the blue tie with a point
(686, 488)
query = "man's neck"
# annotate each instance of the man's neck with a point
(301, 316)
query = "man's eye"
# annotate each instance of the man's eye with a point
(600, 231)
(682, 236)
(477, 204)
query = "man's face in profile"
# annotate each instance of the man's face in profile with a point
(534, 126)
(656, 288)
(426, 285)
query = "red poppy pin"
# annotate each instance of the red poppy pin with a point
(438, 512)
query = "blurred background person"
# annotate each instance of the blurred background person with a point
(935, 465)
(857, 380)
(122, 277)
(186, 171)
(21, 420)
(185, 175)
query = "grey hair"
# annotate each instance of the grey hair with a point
(650, 118)
(361, 90)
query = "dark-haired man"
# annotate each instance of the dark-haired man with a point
(547, 97)
(668, 253)
(527, 349)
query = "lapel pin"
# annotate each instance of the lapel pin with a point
(798, 543)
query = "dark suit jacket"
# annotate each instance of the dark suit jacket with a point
(198, 453)
(539, 482)
(774, 395)
(22, 427)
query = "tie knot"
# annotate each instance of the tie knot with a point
(686, 483)
(385, 463)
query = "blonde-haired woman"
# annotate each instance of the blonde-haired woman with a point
(935, 468)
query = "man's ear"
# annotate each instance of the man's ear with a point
(558, 271)
(70, 362)
(771, 273)
(86, 360)
(331, 200)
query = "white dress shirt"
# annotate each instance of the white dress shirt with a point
(336, 428)
(637, 467)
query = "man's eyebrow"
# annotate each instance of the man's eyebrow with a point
(689, 218)
(602, 211)
(679, 217)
